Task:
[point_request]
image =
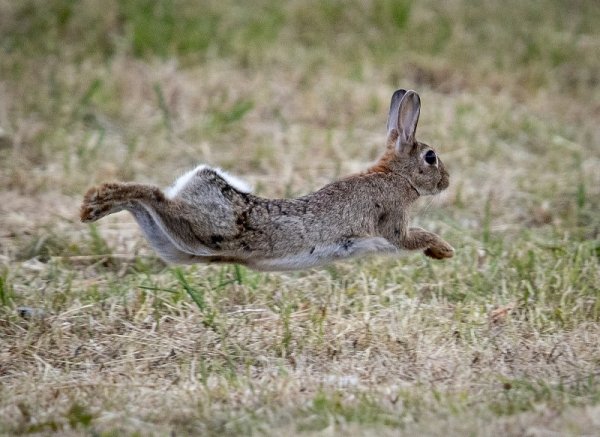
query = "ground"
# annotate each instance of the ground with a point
(99, 336)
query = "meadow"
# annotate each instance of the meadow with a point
(100, 337)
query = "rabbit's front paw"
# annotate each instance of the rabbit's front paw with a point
(440, 251)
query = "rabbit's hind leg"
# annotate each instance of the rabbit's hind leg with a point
(114, 197)
(177, 230)
(156, 237)
(186, 224)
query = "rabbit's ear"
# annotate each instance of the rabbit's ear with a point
(392, 122)
(408, 117)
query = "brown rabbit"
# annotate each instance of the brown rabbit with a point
(210, 216)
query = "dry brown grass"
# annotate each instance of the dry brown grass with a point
(98, 336)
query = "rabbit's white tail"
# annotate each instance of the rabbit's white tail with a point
(184, 179)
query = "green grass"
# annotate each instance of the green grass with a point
(100, 337)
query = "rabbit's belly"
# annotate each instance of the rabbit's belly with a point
(326, 253)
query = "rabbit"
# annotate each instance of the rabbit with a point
(209, 216)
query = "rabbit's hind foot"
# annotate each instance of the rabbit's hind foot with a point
(92, 212)
(97, 203)
(114, 197)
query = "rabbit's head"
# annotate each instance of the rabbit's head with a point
(417, 162)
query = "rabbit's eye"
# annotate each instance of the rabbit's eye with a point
(430, 157)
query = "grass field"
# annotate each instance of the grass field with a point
(98, 336)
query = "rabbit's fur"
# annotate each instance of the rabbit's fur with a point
(210, 216)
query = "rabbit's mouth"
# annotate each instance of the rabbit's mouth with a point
(443, 183)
